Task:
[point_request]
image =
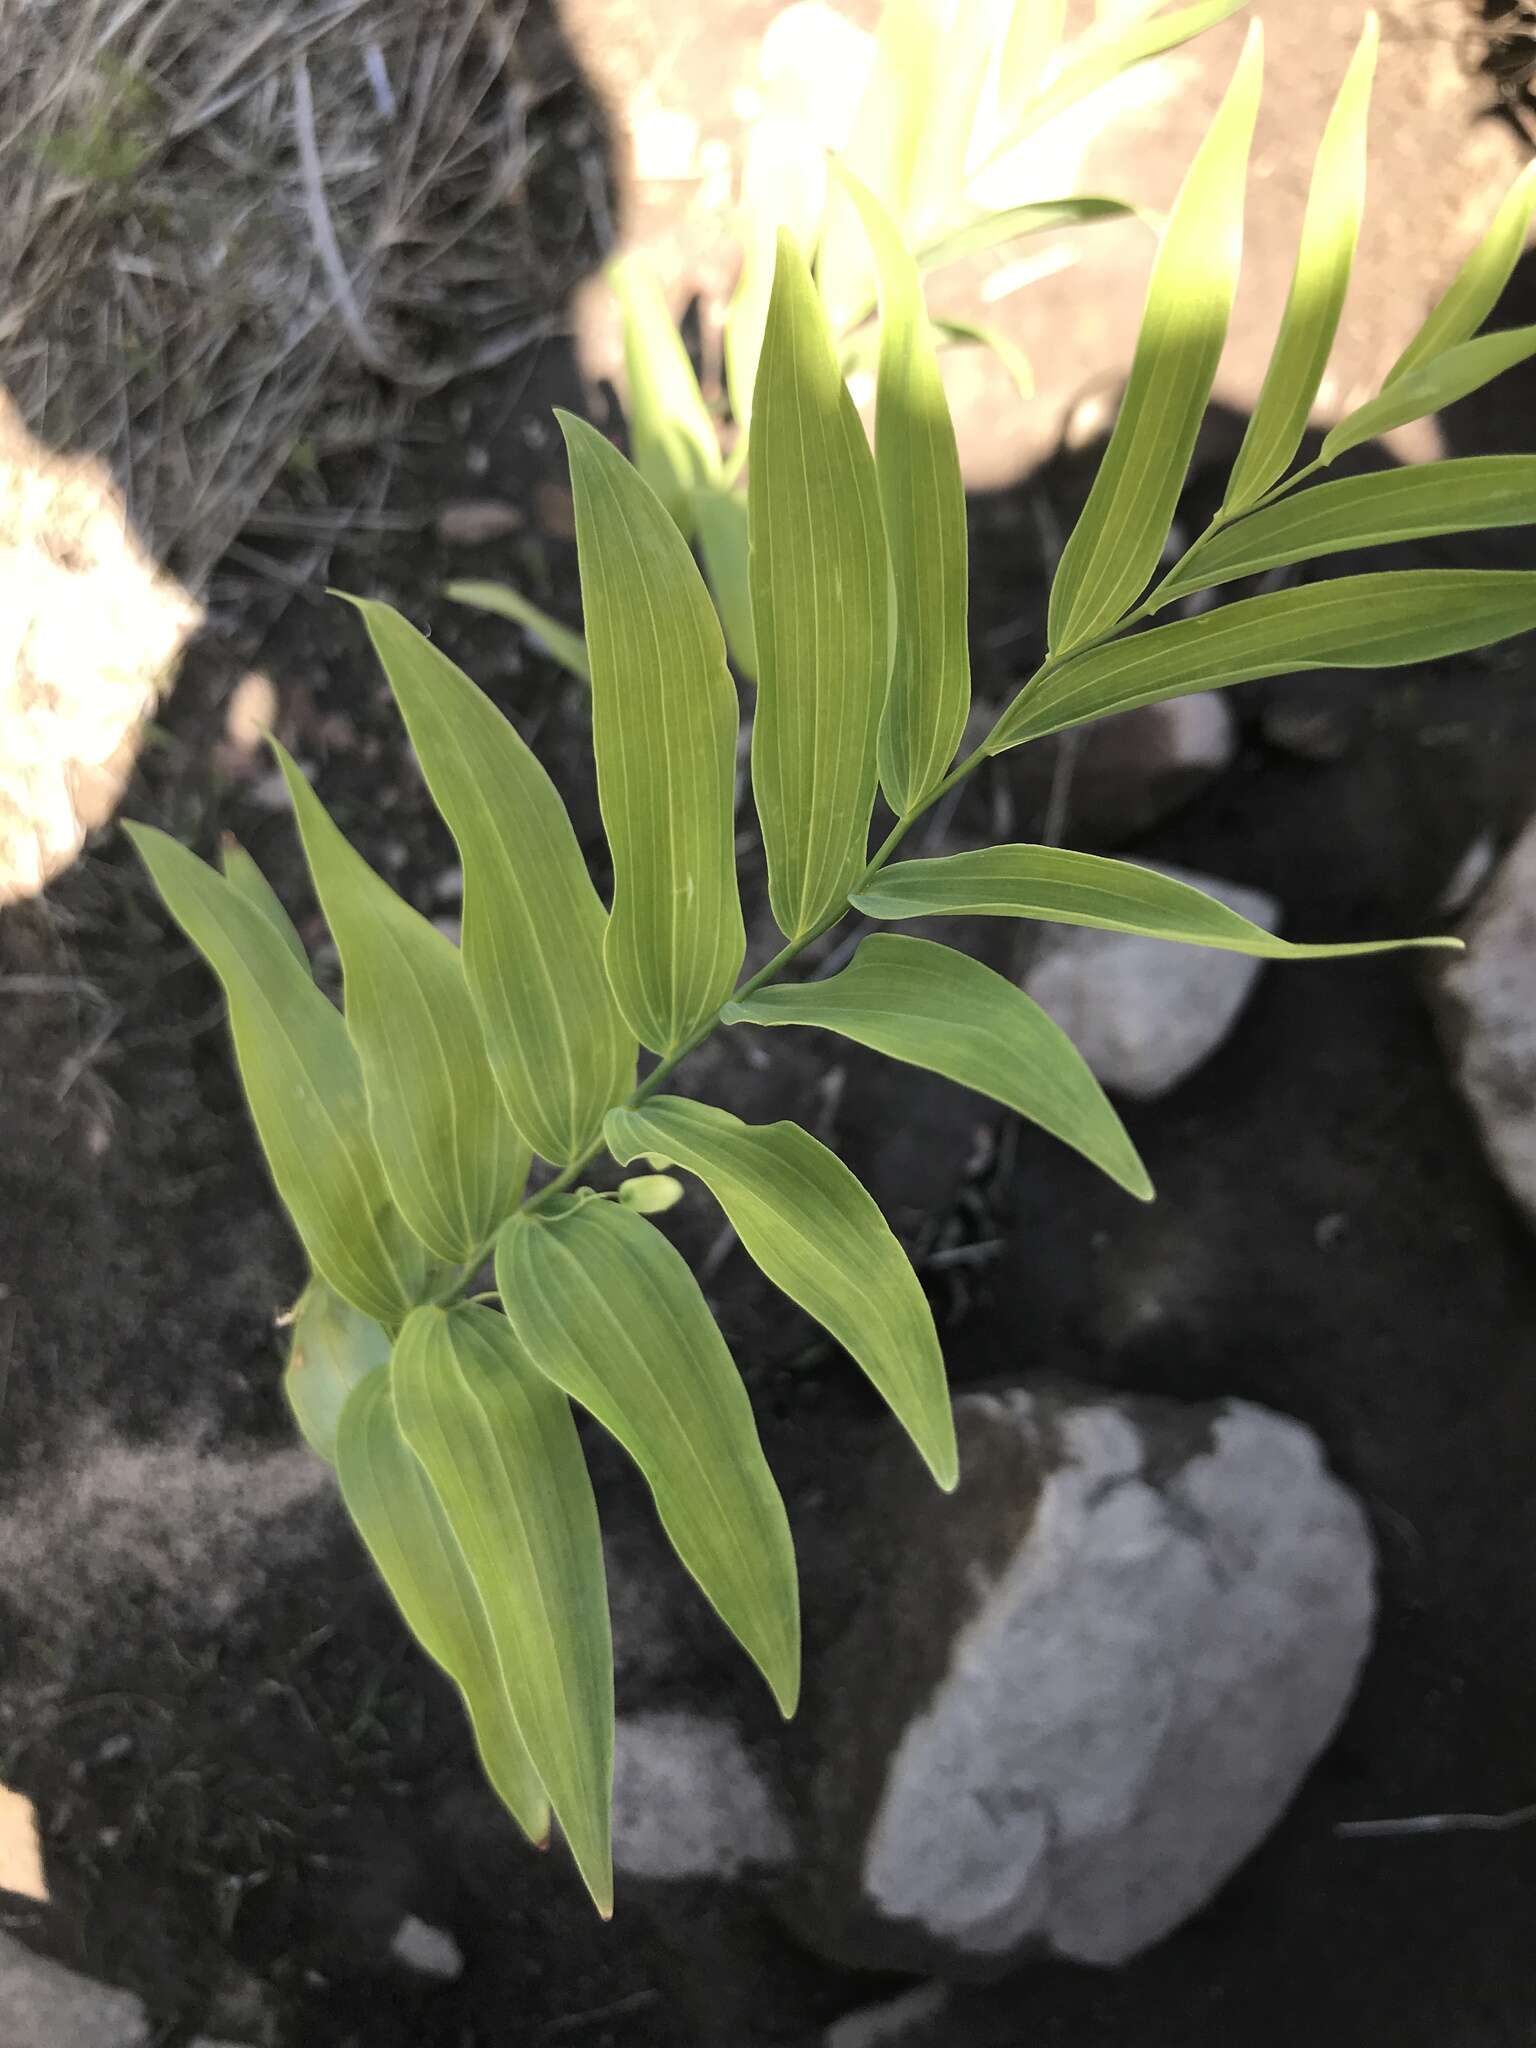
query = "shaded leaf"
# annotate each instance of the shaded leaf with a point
(820, 611)
(819, 1236)
(1479, 284)
(303, 1083)
(923, 502)
(454, 1164)
(500, 1451)
(935, 1008)
(721, 519)
(334, 1346)
(606, 1307)
(242, 873)
(664, 725)
(533, 926)
(1119, 537)
(1431, 386)
(560, 643)
(401, 1521)
(671, 433)
(1467, 495)
(1059, 887)
(1335, 203)
(1376, 621)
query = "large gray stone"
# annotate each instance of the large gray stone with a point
(1143, 1013)
(1078, 1692)
(43, 2005)
(688, 1801)
(1487, 1011)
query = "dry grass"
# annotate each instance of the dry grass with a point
(235, 240)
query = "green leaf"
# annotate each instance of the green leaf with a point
(334, 1347)
(559, 642)
(1032, 39)
(605, 1306)
(501, 1454)
(1116, 543)
(747, 317)
(992, 230)
(935, 1008)
(401, 1521)
(1431, 386)
(533, 926)
(973, 31)
(649, 1194)
(671, 433)
(1082, 888)
(1102, 55)
(820, 610)
(303, 1083)
(454, 1163)
(1479, 284)
(721, 519)
(923, 501)
(819, 1236)
(664, 725)
(242, 873)
(1329, 233)
(1463, 496)
(1376, 621)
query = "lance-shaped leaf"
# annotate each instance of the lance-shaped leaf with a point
(1376, 621)
(1058, 887)
(1119, 537)
(1012, 223)
(1104, 53)
(303, 1083)
(721, 519)
(501, 1454)
(242, 873)
(334, 1347)
(1466, 495)
(1479, 284)
(454, 1163)
(670, 430)
(973, 33)
(533, 926)
(818, 1234)
(1430, 386)
(398, 1515)
(820, 610)
(939, 1009)
(560, 643)
(605, 1306)
(923, 501)
(1329, 233)
(1032, 40)
(664, 722)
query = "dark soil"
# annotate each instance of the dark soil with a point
(262, 1796)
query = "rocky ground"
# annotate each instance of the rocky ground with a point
(259, 1816)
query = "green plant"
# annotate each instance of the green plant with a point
(400, 1135)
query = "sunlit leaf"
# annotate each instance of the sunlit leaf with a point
(454, 1163)
(1376, 621)
(972, 31)
(401, 1521)
(1033, 37)
(334, 1346)
(818, 1235)
(664, 724)
(1058, 887)
(820, 611)
(500, 1450)
(1467, 495)
(243, 874)
(1100, 56)
(671, 433)
(923, 502)
(303, 1083)
(721, 520)
(939, 1009)
(559, 642)
(1117, 541)
(533, 925)
(605, 1306)
(1479, 284)
(1013, 223)
(649, 1194)
(1329, 233)
(1432, 385)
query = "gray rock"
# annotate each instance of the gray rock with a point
(1143, 1013)
(688, 1802)
(893, 2021)
(1486, 1005)
(1079, 1691)
(429, 1951)
(43, 2005)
